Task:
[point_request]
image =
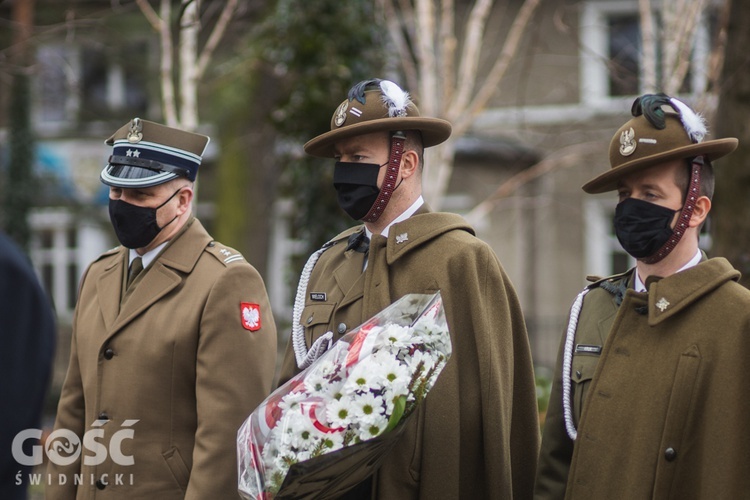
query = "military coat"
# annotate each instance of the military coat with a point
(179, 358)
(658, 392)
(476, 434)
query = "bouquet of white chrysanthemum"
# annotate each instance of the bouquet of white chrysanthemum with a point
(325, 430)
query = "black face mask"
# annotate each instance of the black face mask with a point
(136, 226)
(642, 227)
(357, 187)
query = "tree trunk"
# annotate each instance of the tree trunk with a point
(731, 210)
(19, 189)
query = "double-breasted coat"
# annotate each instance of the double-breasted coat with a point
(476, 434)
(181, 363)
(658, 392)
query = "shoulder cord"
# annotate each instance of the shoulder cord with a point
(304, 356)
(575, 312)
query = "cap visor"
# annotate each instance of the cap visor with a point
(129, 176)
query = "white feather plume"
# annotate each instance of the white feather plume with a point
(694, 123)
(396, 99)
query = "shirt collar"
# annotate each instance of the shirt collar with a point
(404, 215)
(640, 287)
(147, 257)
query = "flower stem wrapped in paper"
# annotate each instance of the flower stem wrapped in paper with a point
(328, 429)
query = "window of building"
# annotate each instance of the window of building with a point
(612, 52)
(89, 82)
(603, 253)
(61, 247)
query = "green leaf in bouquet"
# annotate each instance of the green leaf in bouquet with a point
(399, 405)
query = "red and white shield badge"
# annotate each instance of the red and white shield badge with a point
(250, 316)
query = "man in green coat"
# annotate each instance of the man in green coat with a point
(173, 345)
(649, 398)
(476, 434)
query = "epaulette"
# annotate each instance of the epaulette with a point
(224, 254)
(344, 235)
(615, 284)
(109, 252)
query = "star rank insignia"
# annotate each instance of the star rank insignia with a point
(250, 316)
(402, 238)
(662, 304)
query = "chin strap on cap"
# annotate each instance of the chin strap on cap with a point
(389, 182)
(686, 213)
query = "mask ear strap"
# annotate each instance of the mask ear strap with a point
(389, 182)
(686, 213)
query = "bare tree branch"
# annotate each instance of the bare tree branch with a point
(150, 14)
(396, 34)
(447, 52)
(510, 48)
(648, 36)
(467, 70)
(425, 40)
(563, 158)
(216, 35)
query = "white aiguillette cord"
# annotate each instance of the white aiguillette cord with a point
(304, 356)
(570, 337)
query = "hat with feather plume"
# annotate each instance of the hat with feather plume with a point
(377, 106)
(662, 129)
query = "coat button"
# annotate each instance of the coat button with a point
(103, 416)
(309, 320)
(109, 353)
(100, 484)
(670, 454)
(342, 328)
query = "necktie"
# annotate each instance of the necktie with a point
(135, 269)
(359, 242)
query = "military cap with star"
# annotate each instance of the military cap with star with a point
(662, 129)
(377, 106)
(147, 154)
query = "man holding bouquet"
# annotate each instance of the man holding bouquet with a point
(476, 434)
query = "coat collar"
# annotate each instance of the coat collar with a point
(670, 295)
(165, 273)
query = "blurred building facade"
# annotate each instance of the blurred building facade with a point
(572, 85)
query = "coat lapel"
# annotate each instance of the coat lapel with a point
(350, 278)
(164, 274)
(109, 287)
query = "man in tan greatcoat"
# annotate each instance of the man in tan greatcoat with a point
(649, 398)
(174, 343)
(476, 434)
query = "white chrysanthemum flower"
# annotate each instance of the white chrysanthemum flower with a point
(340, 412)
(368, 408)
(360, 379)
(292, 400)
(394, 337)
(315, 384)
(373, 428)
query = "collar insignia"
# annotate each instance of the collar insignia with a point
(402, 238)
(662, 304)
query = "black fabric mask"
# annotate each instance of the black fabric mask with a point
(136, 226)
(356, 187)
(642, 227)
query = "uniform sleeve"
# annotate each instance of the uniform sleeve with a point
(236, 361)
(557, 447)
